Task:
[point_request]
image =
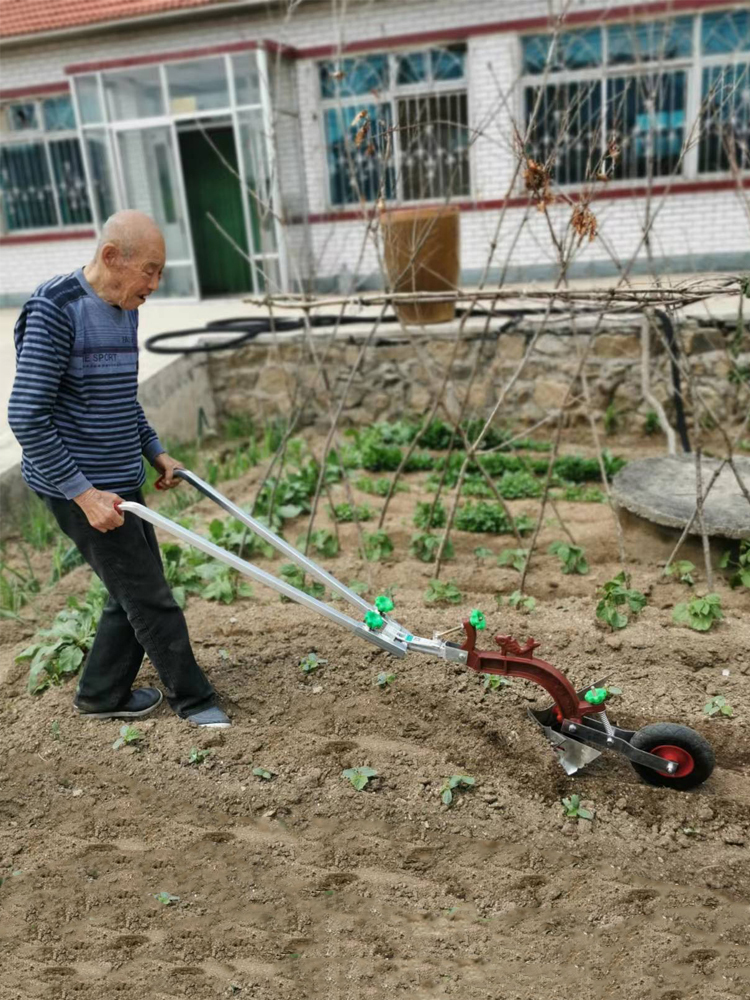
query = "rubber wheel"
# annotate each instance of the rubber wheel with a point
(693, 755)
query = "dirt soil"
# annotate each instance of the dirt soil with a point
(302, 887)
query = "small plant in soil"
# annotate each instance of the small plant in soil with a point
(54, 730)
(439, 592)
(129, 736)
(322, 543)
(310, 663)
(198, 756)
(700, 614)
(740, 566)
(384, 680)
(513, 557)
(573, 493)
(574, 810)
(426, 517)
(377, 546)
(379, 487)
(523, 602)
(572, 557)
(166, 898)
(359, 776)
(482, 516)
(683, 569)
(611, 419)
(351, 512)
(221, 583)
(718, 705)
(424, 546)
(263, 773)
(482, 552)
(358, 587)
(616, 599)
(651, 423)
(494, 682)
(451, 786)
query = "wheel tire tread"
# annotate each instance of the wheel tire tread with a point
(661, 733)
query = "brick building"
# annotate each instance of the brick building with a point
(165, 105)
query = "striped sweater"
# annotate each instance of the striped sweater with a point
(74, 406)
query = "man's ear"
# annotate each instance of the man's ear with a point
(110, 255)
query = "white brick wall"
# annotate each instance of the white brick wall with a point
(686, 224)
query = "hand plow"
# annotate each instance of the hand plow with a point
(576, 723)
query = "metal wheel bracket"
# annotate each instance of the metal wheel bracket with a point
(619, 743)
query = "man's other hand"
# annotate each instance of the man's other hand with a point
(99, 508)
(166, 465)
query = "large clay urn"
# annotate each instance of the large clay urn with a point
(422, 255)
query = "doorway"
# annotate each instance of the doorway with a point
(209, 157)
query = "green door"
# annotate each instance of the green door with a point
(211, 187)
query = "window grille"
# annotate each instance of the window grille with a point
(417, 109)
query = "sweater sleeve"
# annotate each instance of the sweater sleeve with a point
(151, 446)
(42, 358)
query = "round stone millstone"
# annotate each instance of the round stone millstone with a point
(662, 490)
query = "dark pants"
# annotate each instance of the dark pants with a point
(141, 614)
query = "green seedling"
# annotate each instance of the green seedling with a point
(574, 492)
(54, 730)
(377, 546)
(310, 663)
(718, 705)
(493, 682)
(454, 784)
(651, 423)
(322, 542)
(611, 419)
(349, 512)
(424, 546)
(224, 656)
(385, 680)
(700, 614)
(221, 583)
(263, 773)
(683, 569)
(740, 566)
(443, 593)
(519, 485)
(198, 756)
(359, 776)
(129, 736)
(358, 587)
(513, 557)
(482, 553)
(426, 517)
(574, 809)
(166, 898)
(519, 601)
(379, 487)
(293, 575)
(616, 599)
(572, 557)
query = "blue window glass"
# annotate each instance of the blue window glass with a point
(412, 68)
(567, 128)
(448, 63)
(58, 113)
(572, 50)
(725, 121)
(22, 117)
(650, 40)
(646, 113)
(353, 77)
(725, 31)
(354, 173)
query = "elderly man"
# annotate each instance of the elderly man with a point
(75, 412)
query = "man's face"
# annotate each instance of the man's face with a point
(137, 276)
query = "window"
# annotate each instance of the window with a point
(415, 144)
(601, 87)
(725, 92)
(42, 179)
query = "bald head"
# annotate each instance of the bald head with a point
(129, 259)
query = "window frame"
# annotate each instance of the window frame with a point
(391, 96)
(693, 67)
(45, 137)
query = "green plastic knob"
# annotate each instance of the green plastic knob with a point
(596, 696)
(373, 620)
(384, 603)
(477, 619)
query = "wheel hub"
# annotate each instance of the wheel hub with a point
(678, 756)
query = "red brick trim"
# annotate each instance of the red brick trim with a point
(32, 90)
(520, 201)
(159, 57)
(78, 234)
(526, 24)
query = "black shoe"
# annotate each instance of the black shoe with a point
(140, 702)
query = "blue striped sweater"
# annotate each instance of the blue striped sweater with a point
(74, 406)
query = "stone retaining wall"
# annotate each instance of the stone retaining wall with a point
(400, 370)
